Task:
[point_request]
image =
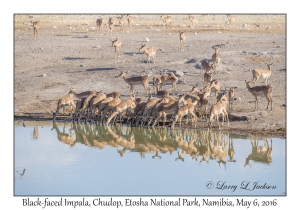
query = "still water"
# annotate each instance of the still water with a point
(81, 159)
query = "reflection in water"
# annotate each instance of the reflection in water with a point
(260, 153)
(180, 155)
(67, 138)
(19, 175)
(150, 159)
(35, 132)
(200, 145)
(231, 151)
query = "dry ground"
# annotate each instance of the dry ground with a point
(70, 52)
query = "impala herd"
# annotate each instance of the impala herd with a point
(99, 107)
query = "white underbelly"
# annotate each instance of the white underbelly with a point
(265, 75)
(185, 112)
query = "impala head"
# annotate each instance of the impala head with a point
(54, 114)
(247, 83)
(112, 42)
(132, 96)
(142, 47)
(206, 88)
(212, 65)
(222, 96)
(181, 98)
(247, 162)
(161, 73)
(194, 89)
(97, 93)
(206, 92)
(231, 89)
(133, 104)
(172, 74)
(72, 90)
(214, 82)
(204, 60)
(164, 100)
(138, 100)
(121, 75)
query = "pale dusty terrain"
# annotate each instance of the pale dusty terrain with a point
(70, 52)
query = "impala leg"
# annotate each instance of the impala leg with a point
(271, 102)
(217, 116)
(115, 118)
(269, 98)
(268, 102)
(173, 87)
(131, 90)
(174, 122)
(164, 120)
(143, 120)
(210, 123)
(187, 119)
(226, 114)
(154, 122)
(88, 116)
(158, 118)
(194, 118)
(180, 118)
(64, 110)
(254, 81)
(223, 116)
(255, 103)
(54, 115)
